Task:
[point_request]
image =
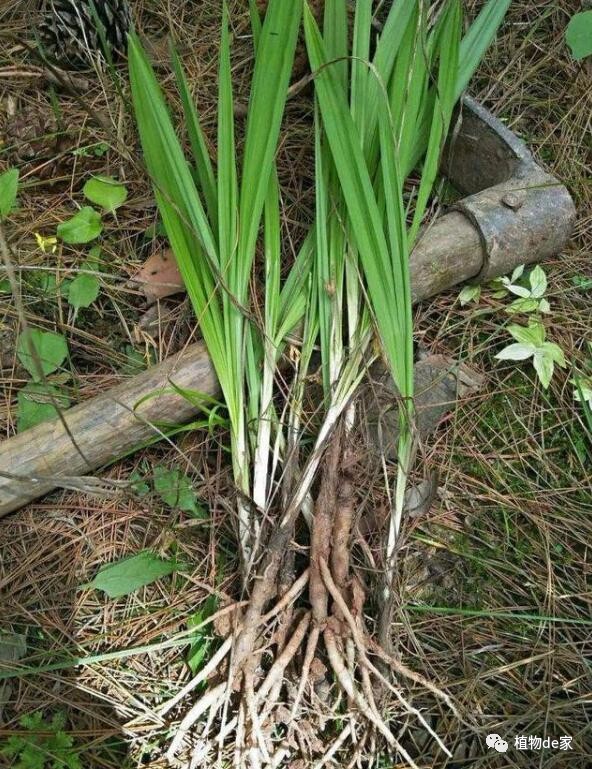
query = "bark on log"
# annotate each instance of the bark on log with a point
(104, 428)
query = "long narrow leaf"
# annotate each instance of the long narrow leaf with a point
(363, 211)
(271, 77)
(204, 170)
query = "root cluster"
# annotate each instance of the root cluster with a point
(302, 667)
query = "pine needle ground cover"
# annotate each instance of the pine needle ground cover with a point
(132, 686)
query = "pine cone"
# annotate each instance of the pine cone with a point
(70, 34)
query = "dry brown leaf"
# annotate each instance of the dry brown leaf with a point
(159, 276)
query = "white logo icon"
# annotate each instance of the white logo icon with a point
(496, 742)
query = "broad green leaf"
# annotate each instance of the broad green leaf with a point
(517, 352)
(83, 290)
(517, 274)
(175, 490)
(538, 282)
(8, 189)
(129, 574)
(37, 402)
(523, 305)
(5, 287)
(106, 192)
(533, 334)
(83, 227)
(520, 291)
(579, 35)
(544, 366)
(553, 351)
(41, 352)
(469, 294)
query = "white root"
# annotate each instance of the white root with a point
(240, 736)
(406, 672)
(348, 685)
(201, 676)
(407, 705)
(311, 647)
(255, 723)
(211, 699)
(361, 646)
(290, 649)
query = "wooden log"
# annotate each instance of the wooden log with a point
(102, 429)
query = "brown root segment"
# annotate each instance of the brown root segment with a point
(322, 526)
(342, 528)
(282, 654)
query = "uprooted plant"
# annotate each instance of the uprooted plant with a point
(382, 108)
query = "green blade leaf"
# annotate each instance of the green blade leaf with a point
(448, 39)
(203, 165)
(227, 178)
(125, 576)
(273, 67)
(478, 39)
(364, 214)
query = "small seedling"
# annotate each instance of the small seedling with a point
(83, 227)
(469, 293)
(175, 490)
(530, 291)
(43, 744)
(582, 384)
(84, 289)
(201, 643)
(47, 244)
(97, 150)
(41, 352)
(530, 343)
(38, 402)
(582, 283)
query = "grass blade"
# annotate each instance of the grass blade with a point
(204, 170)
